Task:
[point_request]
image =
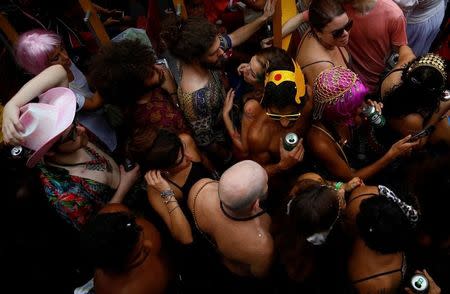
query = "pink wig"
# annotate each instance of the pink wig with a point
(338, 92)
(33, 49)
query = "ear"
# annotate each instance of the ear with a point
(255, 206)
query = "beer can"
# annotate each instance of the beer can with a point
(373, 116)
(419, 283)
(290, 141)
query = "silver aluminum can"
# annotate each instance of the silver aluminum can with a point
(290, 141)
(373, 116)
(419, 283)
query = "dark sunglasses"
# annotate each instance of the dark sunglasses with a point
(71, 135)
(339, 32)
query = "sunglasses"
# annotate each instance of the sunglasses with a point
(71, 135)
(290, 117)
(339, 32)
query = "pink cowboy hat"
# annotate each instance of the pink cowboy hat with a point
(45, 121)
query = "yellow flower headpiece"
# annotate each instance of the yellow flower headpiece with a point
(279, 76)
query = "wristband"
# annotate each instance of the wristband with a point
(338, 186)
(166, 195)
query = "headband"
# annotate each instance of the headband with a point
(429, 60)
(411, 214)
(331, 86)
(279, 76)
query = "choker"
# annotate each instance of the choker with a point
(240, 219)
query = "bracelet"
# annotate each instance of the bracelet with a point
(170, 211)
(338, 186)
(166, 195)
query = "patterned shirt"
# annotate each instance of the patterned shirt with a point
(74, 198)
(203, 108)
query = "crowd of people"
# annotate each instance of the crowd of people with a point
(224, 169)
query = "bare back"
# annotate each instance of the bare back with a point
(246, 246)
(368, 269)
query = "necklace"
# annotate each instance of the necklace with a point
(241, 219)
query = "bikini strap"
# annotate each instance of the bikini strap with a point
(331, 137)
(378, 275)
(361, 195)
(312, 63)
(195, 218)
(175, 184)
(347, 63)
(392, 71)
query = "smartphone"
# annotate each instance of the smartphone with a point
(119, 14)
(423, 133)
(162, 61)
(128, 164)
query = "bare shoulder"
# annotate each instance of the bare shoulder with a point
(363, 190)
(407, 124)
(252, 108)
(318, 141)
(201, 186)
(310, 51)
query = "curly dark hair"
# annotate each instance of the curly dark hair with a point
(408, 98)
(383, 226)
(119, 70)
(283, 95)
(322, 12)
(108, 239)
(189, 39)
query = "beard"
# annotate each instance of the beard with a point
(213, 66)
(148, 88)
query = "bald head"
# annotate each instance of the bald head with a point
(242, 184)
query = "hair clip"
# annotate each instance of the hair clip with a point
(411, 214)
(288, 206)
(318, 238)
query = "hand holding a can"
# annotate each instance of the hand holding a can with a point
(378, 105)
(290, 158)
(431, 286)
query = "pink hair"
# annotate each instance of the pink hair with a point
(33, 49)
(338, 92)
(344, 109)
